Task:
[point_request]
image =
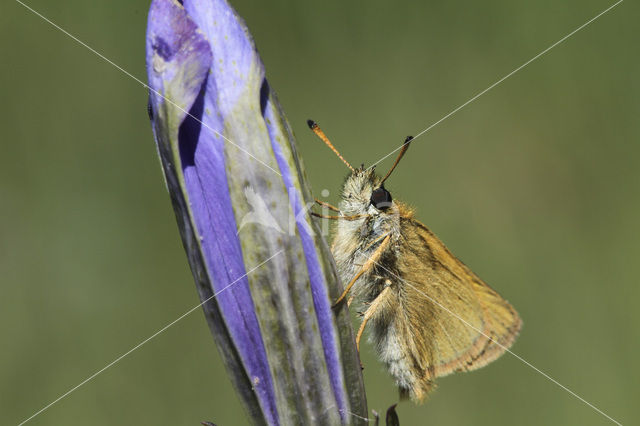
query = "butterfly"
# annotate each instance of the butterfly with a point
(429, 314)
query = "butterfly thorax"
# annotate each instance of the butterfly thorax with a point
(356, 240)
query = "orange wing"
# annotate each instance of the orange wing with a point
(456, 322)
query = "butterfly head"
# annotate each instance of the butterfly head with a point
(363, 191)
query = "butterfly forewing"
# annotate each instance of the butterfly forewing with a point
(458, 322)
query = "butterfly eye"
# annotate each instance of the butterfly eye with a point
(381, 199)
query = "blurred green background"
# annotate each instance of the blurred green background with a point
(535, 185)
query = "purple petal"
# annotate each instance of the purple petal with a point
(179, 60)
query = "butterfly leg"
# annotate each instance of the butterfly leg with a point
(327, 205)
(324, 216)
(374, 242)
(371, 311)
(366, 266)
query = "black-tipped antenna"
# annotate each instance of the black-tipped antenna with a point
(318, 131)
(404, 149)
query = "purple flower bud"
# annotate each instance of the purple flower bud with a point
(262, 269)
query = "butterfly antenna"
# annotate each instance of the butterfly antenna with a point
(318, 131)
(405, 147)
